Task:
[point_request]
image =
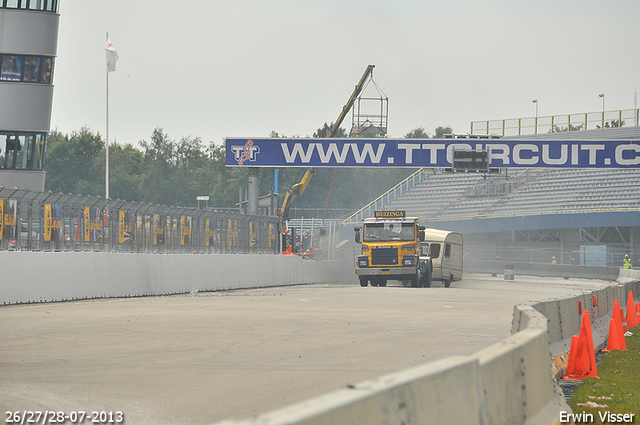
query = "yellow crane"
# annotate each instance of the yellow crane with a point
(298, 188)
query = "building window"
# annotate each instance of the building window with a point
(31, 69)
(11, 68)
(44, 5)
(28, 69)
(22, 151)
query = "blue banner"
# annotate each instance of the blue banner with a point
(436, 153)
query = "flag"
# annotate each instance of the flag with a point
(112, 56)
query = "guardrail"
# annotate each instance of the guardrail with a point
(385, 198)
(538, 212)
(557, 123)
(45, 221)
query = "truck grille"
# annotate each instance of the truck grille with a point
(384, 256)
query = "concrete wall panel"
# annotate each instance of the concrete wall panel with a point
(442, 392)
(63, 276)
(29, 108)
(29, 32)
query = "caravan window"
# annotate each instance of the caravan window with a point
(434, 251)
(447, 250)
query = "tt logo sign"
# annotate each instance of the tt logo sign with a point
(246, 152)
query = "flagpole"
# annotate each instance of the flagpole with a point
(107, 141)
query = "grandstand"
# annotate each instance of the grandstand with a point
(444, 196)
(555, 212)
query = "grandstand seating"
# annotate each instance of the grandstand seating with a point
(445, 196)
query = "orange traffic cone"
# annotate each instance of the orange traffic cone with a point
(616, 338)
(625, 328)
(632, 316)
(584, 359)
(618, 319)
(571, 361)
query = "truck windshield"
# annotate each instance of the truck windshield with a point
(376, 232)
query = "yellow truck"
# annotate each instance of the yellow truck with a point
(397, 247)
(391, 250)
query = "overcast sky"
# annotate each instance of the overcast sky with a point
(244, 68)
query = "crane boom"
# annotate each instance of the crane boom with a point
(298, 188)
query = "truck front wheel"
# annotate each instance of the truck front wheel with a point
(363, 281)
(425, 280)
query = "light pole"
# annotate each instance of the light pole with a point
(602, 96)
(536, 123)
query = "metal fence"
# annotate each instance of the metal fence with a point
(45, 221)
(583, 254)
(390, 195)
(557, 123)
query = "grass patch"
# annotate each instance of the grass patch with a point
(618, 385)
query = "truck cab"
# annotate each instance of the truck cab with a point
(391, 250)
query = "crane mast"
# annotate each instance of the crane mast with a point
(299, 188)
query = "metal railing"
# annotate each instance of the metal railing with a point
(45, 221)
(557, 123)
(387, 197)
(584, 254)
(318, 233)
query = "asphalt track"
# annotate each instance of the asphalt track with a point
(196, 359)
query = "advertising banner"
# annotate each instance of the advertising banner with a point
(185, 230)
(8, 218)
(253, 235)
(232, 232)
(1, 218)
(272, 236)
(159, 224)
(210, 226)
(91, 224)
(53, 223)
(125, 227)
(435, 153)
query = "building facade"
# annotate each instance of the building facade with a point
(28, 45)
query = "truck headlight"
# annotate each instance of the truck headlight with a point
(409, 260)
(363, 261)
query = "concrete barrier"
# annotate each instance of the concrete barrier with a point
(543, 270)
(505, 384)
(29, 276)
(508, 383)
(441, 392)
(565, 317)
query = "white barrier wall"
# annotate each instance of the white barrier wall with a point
(509, 383)
(30, 276)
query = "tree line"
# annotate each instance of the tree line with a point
(174, 172)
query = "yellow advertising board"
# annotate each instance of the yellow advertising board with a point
(121, 227)
(185, 229)
(209, 232)
(87, 224)
(48, 221)
(232, 232)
